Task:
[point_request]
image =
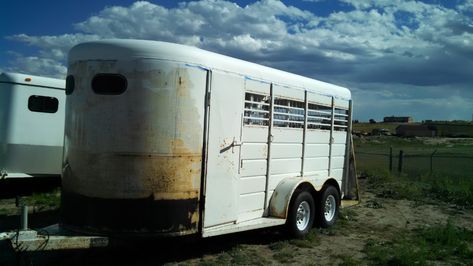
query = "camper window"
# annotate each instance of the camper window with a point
(43, 104)
(109, 84)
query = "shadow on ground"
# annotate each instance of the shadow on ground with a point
(148, 252)
(13, 187)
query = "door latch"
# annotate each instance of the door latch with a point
(236, 143)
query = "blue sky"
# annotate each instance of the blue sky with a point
(398, 57)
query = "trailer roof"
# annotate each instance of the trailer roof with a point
(119, 49)
(30, 80)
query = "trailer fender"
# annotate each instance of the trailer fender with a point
(279, 203)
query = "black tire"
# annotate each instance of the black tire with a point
(299, 228)
(329, 198)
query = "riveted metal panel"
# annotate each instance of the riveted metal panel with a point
(317, 150)
(338, 149)
(247, 185)
(276, 178)
(318, 136)
(287, 92)
(251, 202)
(319, 99)
(338, 162)
(287, 135)
(284, 166)
(256, 86)
(342, 103)
(255, 134)
(339, 137)
(316, 164)
(253, 167)
(254, 151)
(286, 150)
(337, 173)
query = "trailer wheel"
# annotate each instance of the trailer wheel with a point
(301, 215)
(328, 207)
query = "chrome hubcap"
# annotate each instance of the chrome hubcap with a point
(303, 216)
(330, 208)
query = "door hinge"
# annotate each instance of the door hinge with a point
(208, 98)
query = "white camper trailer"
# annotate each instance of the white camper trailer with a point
(32, 125)
(163, 139)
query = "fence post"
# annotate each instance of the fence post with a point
(390, 158)
(431, 162)
(401, 155)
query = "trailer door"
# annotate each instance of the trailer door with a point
(223, 149)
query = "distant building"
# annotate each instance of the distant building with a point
(398, 119)
(416, 131)
(454, 130)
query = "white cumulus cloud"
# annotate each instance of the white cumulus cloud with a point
(374, 45)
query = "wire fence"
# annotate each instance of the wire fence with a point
(414, 163)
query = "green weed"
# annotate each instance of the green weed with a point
(279, 245)
(4, 211)
(284, 256)
(238, 256)
(40, 201)
(422, 188)
(446, 243)
(282, 250)
(397, 252)
(311, 240)
(348, 261)
(455, 190)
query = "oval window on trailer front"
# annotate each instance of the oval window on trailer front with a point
(109, 84)
(70, 84)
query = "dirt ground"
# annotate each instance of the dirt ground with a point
(375, 219)
(380, 220)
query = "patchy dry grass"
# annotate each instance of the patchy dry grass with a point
(44, 201)
(239, 255)
(443, 243)
(422, 189)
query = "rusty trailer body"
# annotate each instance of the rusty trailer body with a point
(164, 139)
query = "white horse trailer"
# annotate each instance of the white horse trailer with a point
(32, 125)
(164, 139)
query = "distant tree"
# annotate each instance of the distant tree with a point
(356, 121)
(372, 121)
